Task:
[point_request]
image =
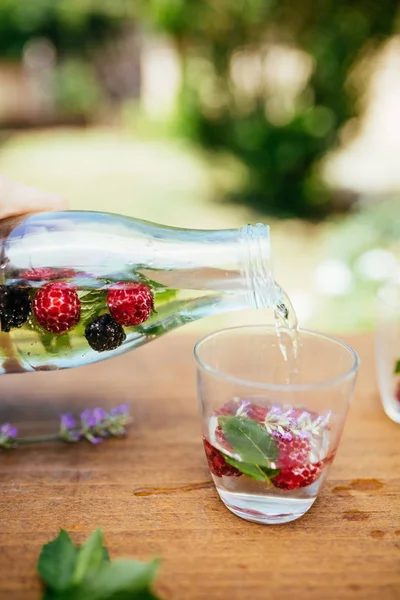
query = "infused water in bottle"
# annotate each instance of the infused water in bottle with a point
(80, 287)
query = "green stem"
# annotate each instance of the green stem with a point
(40, 438)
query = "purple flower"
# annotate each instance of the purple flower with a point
(119, 418)
(95, 425)
(88, 419)
(122, 409)
(68, 431)
(8, 433)
(8, 430)
(303, 434)
(99, 415)
(94, 440)
(305, 416)
(67, 421)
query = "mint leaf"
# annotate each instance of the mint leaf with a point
(53, 344)
(57, 562)
(397, 368)
(120, 579)
(90, 557)
(256, 472)
(165, 295)
(250, 440)
(106, 556)
(93, 302)
(86, 573)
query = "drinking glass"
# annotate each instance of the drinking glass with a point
(271, 427)
(388, 348)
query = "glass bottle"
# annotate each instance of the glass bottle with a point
(80, 287)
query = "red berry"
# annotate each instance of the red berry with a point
(221, 440)
(57, 307)
(216, 462)
(43, 273)
(130, 304)
(298, 477)
(295, 469)
(257, 413)
(229, 408)
(293, 450)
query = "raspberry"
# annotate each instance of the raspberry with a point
(57, 307)
(294, 451)
(229, 408)
(221, 440)
(45, 273)
(104, 334)
(15, 306)
(216, 462)
(130, 304)
(257, 413)
(298, 477)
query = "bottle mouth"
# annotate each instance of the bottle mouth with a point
(257, 266)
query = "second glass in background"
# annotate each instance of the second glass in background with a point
(388, 348)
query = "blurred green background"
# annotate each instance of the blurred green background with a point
(212, 114)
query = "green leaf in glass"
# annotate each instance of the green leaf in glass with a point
(250, 440)
(256, 472)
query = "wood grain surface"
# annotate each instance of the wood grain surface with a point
(153, 495)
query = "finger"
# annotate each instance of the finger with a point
(17, 199)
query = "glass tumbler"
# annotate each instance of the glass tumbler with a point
(388, 348)
(271, 427)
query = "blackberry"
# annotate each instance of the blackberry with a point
(104, 334)
(15, 306)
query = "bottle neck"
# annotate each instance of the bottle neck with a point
(234, 261)
(257, 268)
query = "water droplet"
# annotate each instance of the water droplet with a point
(377, 534)
(366, 485)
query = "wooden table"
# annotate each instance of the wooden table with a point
(153, 495)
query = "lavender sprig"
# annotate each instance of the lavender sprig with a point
(287, 422)
(93, 425)
(8, 434)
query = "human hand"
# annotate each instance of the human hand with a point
(17, 199)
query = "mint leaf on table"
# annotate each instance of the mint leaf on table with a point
(57, 562)
(106, 556)
(256, 472)
(250, 440)
(120, 579)
(86, 573)
(90, 557)
(397, 367)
